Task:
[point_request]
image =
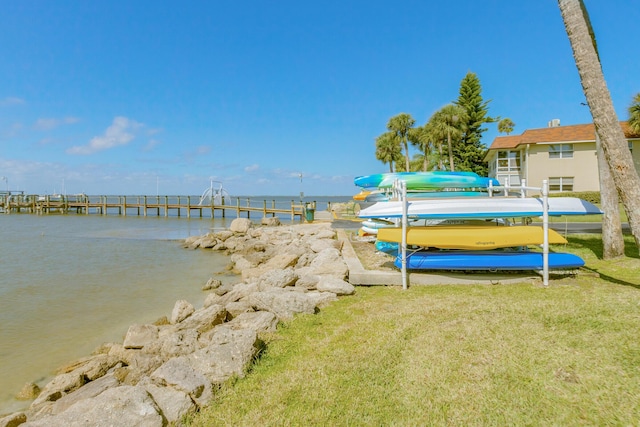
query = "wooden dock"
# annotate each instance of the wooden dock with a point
(147, 205)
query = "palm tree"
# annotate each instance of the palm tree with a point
(447, 122)
(400, 125)
(634, 115)
(612, 139)
(388, 149)
(421, 138)
(506, 125)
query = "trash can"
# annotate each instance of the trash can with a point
(309, 212)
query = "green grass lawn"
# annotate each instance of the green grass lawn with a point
(566, 355)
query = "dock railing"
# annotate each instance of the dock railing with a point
(145, 205)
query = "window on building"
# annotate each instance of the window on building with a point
(508, 161)
(630, 146)
(562, 183)
(560, 151)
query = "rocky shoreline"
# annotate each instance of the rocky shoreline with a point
(171, 368)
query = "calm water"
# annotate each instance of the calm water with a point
(71, 282)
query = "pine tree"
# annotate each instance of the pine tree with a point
(469, 153)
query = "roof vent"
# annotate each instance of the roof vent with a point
(554, 123)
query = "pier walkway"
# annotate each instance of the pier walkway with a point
(149, 205)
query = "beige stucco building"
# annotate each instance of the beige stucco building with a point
(563, 155)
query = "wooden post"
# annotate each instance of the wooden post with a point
(123, 209)
(166, 206)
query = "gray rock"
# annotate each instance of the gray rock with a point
(283, 303)
(308, 281)
(229, 353)
(87, 391)
(122, 406)
(322, 299)
(277, 279)
(335, 285)
(240, 291)
(318, 245)
(179, 343)
(59, 386)
(235, 308)
(241, 263)
(204, 319)
(240, 225)
(212, 284)
(174, 404)
(258, 321)
(180, 375)
(225, 288)
(181, 310)
(330, 262)
(91, 367)
(140, 335)
(270, 221)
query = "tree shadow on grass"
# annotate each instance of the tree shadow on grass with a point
(594, 244)
(611, 279)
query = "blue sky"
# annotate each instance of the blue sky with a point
(139, 97)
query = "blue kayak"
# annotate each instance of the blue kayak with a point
(487, 260)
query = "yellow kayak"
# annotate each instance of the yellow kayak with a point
(471, 237)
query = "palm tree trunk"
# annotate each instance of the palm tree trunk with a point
(612, 238)
(612, 138)
(451, 168)
(406, 154)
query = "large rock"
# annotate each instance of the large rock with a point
(277, 279)
(278, 262)
(241, 290)
(258, 321)
(240, 225)
(335, 285)
(327, 262)
(174, 404)
(87, 391)
(204, 319)
(181, 310)
(270, 221)
(140, 335)
(122, 406)
(282, 302)
(180, 375)
(229, 353)
(91, 367)
(59, 386)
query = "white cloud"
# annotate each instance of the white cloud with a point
(119, 133)
(252, 168)
(151, 145)
(12, 100)
(203, 149)
(46, 124)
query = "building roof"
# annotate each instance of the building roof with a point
(573, 133)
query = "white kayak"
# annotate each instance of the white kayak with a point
(486, 207)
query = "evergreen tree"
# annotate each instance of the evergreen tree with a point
(469, 154)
